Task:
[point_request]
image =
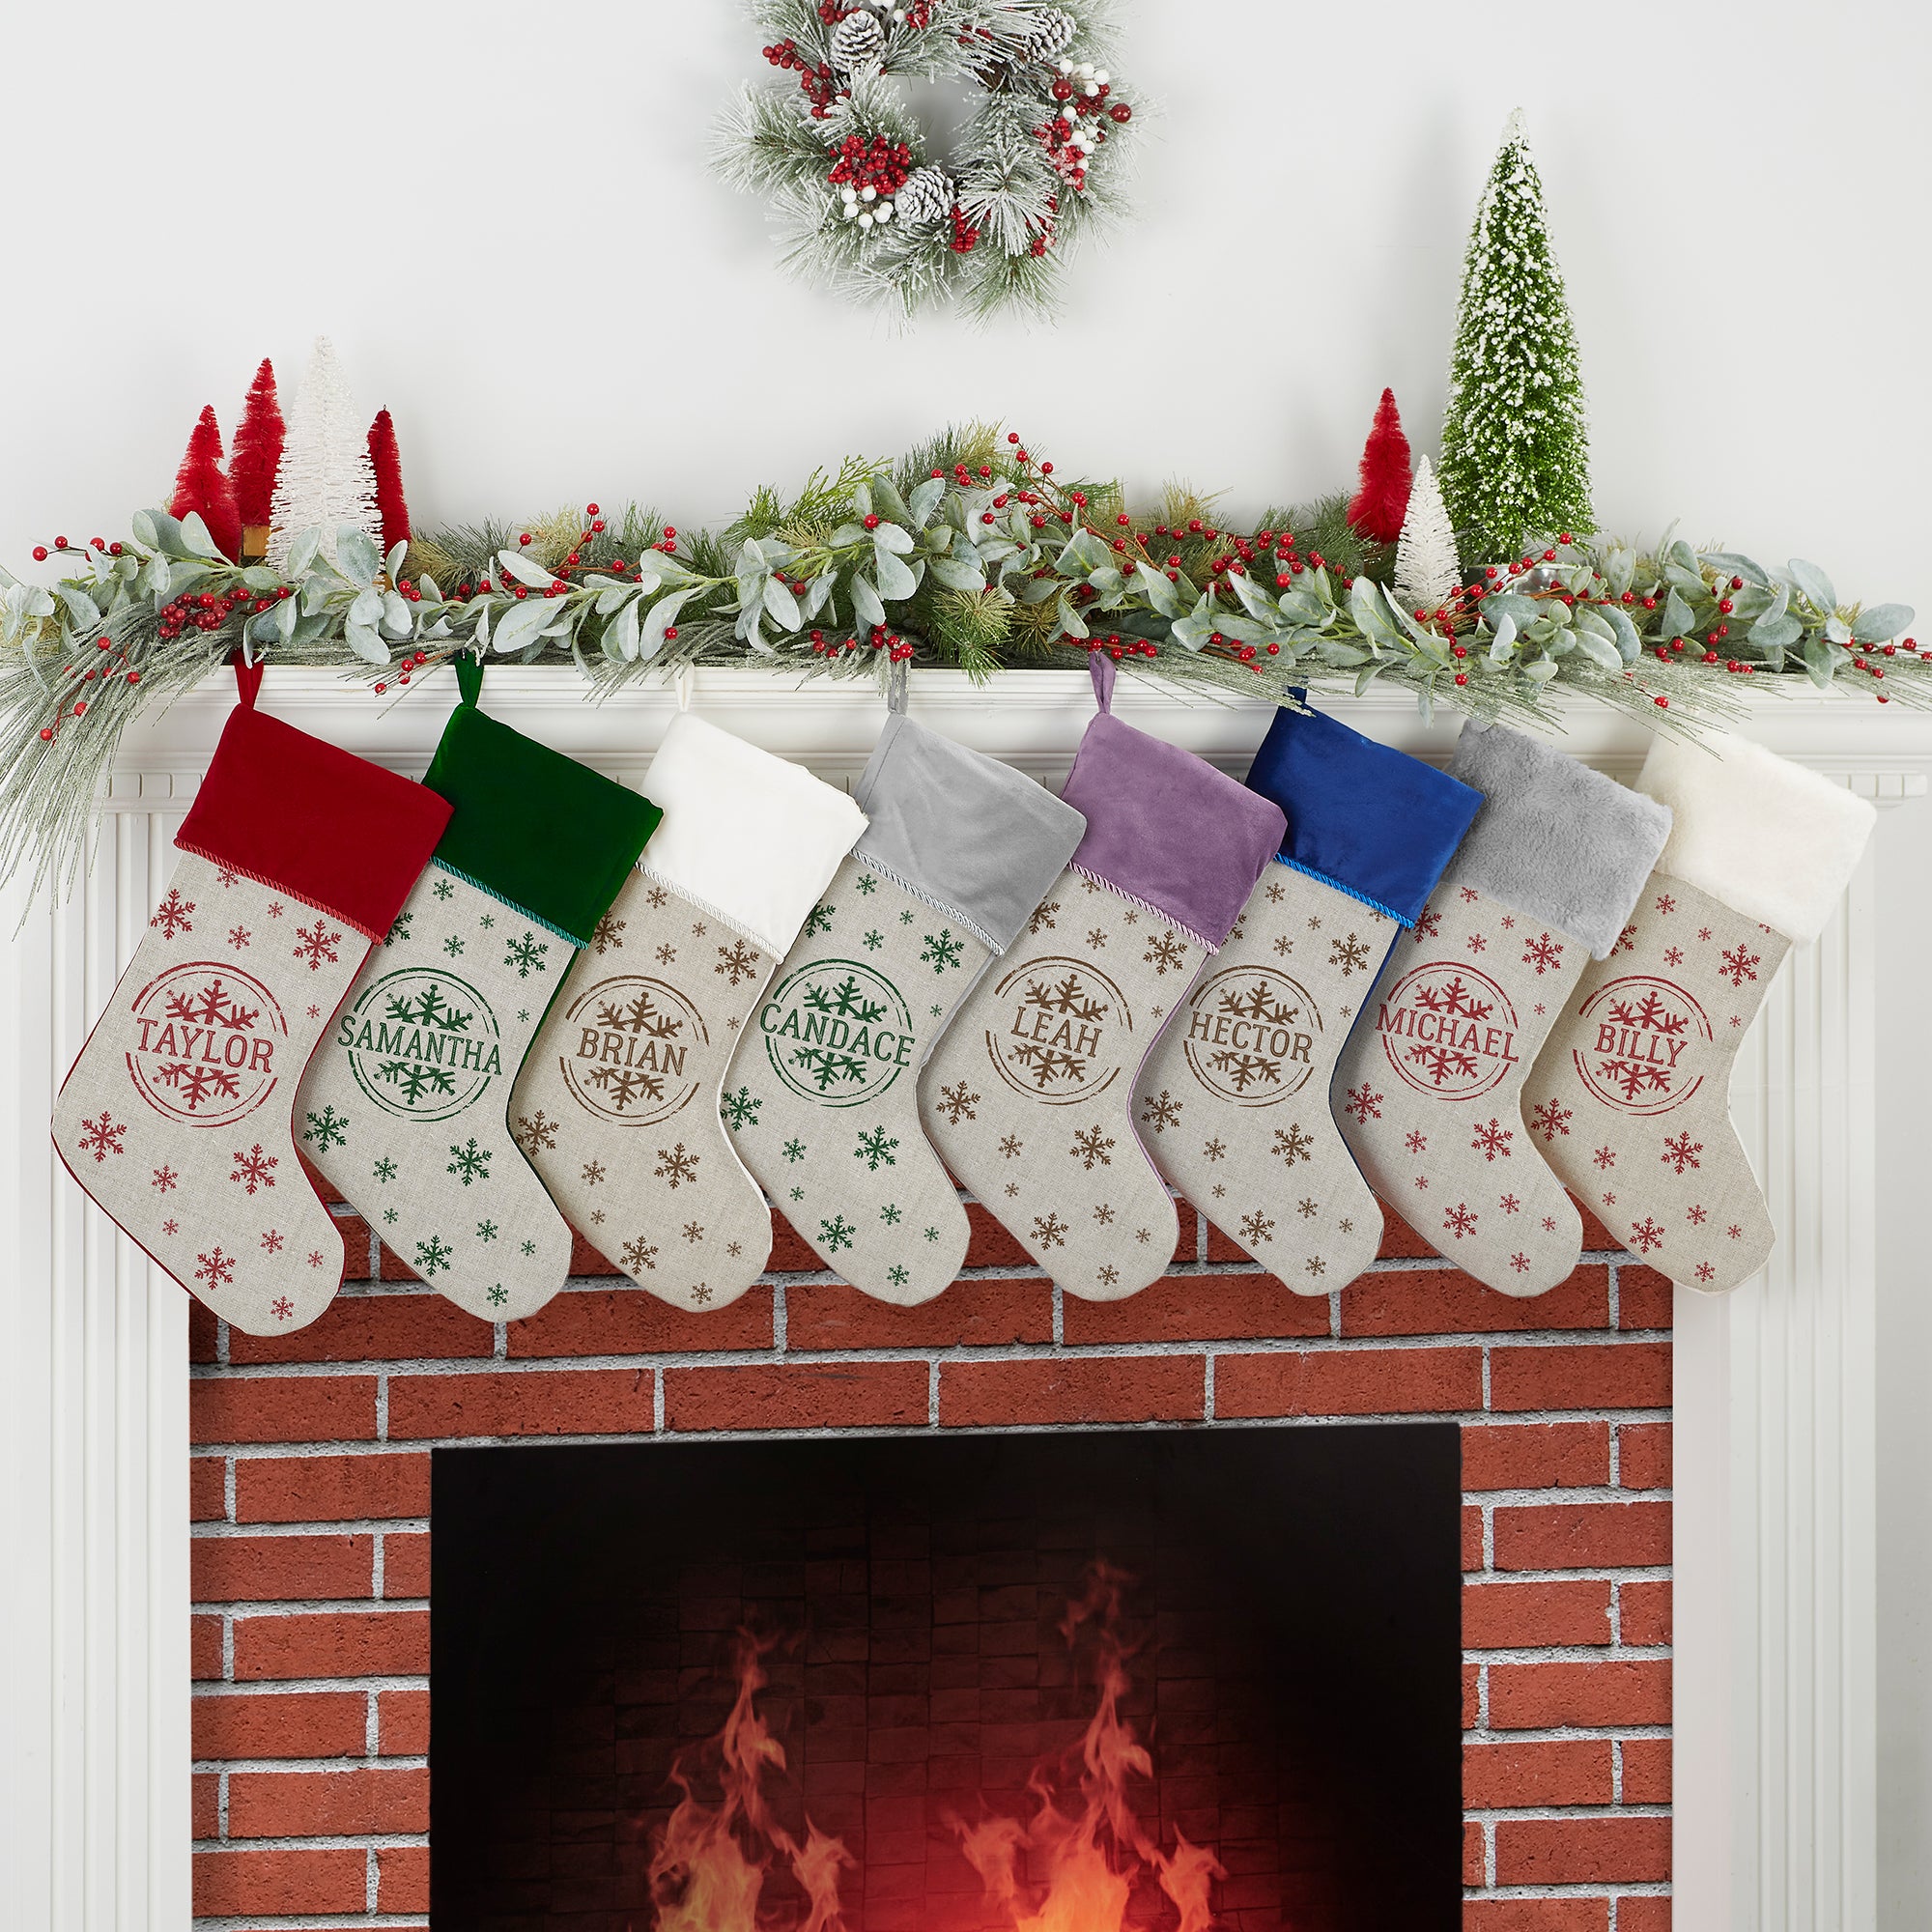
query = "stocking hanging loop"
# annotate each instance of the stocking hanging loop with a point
(247, 678)
(898, 680)
(1102, 666)
(470, 676)
(681, 684)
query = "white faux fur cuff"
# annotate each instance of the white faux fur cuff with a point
(1769, 837)
(744, 833)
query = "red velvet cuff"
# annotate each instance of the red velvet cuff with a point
(311, 819)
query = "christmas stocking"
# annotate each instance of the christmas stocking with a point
(1254, 1048)
(1632, 1094)
(404, 1109)
(824, 1094)
(1431, 1084)
(177, 1115)
(617, 1105)
(1030, 1096)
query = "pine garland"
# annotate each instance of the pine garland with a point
(970, 554)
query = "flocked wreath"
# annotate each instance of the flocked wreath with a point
(866, 207)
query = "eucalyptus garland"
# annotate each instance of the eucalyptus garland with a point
(862, 203)
(969, 555)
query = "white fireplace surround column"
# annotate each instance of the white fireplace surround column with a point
(1774, 1556)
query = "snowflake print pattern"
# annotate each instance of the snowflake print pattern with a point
(739, 962)
(1459, 1221)
(165, 1178)
(1739, 964)
(171, 916)
(1161, 1113)
(942, 950)
(526, 954)
(252, 1169)
(739, 1109)
(1093, 1149)
(102, 1137)
(272, 1242)
(316, 946)
(958, 1104)
(216, 1268)
(238, 936)
(1604, 1156)
(638, 1255)
(326, 1129)
(1257, 1227)
(1350, 954)
(675, 1166)
(875, 1149)
(469, 1162)
(607, 936)
(1363, 1104)
(1550, 1118)
(1492, 1141)
(538, 1130)
(1165, 955)
(818, 919)
(1049, 1231)
(433, 1257)
(835, 1233)
(1546, 955)
(1645, 1234)
(1682, 1152)
(1292, 1144)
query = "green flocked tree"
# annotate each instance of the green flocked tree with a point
(1515, 451)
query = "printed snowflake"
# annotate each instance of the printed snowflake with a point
(384, 1170)
(171, 916)
(170, 1226)
(238, 936)
(1459, 1221)
(1315, 1264)
(1665, 903)
(497, 1293)
(1067, 996)
(1107, 1274)
(656, 896)
(739, 1109)
(526, 954)
(1510, 1204)
(897, 1276)
(1093, 1149)
(1705, 1272)
(1739, 965)
(867, 884)
(326, 1129)
(835, 1233)
(1012, 1147)
(1284, 945)
(1650, 1013)
(875, 940)
(433, 1257)
(1257, 1227)
(1519, 1262)
(1625, 942)
(906, 915)
(1673, 955)
(316, 946)
(195, 1082)
(416, 1080)
(739, 962)
(846, 999)
(1635, 1077)
(1696, 1215)
(1097, 938)
(637, 1256)
(1427, 925)
(1550, 1119)
(818, 919)
(639, 1015)
(1308, 1209)
(593, 1173)
(1604, 1156)
(700, 1294)
(667, 954)
(794, 1150)
(1646, 1234)
(486, 920)
(956, 1103)
(1293, 1145)
(1735, 1232)
(941, 950)
(1509, 922)
(1492, 1142)
(1162, 1113)
(1102, 1213)
(607, 936)
(1416, 1141)
(165, 1178)
(536, 1131)
(102, 1137)
(875, 1149)
(211, 1006)
(1049, 1231)
(446, 889)
(677, 1167)
(427, 1008)
(399, 930)
(1682, 1152)
(1214, 1150)
(251, 1169)
(892, 1214)
(486, 1232)
(1546, 955)
(1478, 943)
(1243, 1070)
(1165, 954)
(1352, 954)
(828, 1066)
(216, 1270)
(1443, 1062)
(281, 1308)
(468, 1162)
(276, 908)
(1363, 1104)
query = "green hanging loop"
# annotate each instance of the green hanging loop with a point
(469, 675)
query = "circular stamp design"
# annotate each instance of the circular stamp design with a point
(1250, 1036)
(1642, 1057)
(1448, 1030)
(422, 1042)
(204, 1044)
(626, 1049)
(1059, 1032)
(838, 1031)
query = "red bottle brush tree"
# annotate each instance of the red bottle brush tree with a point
(1380, 505)
(390, 504)
(258, 457)
(202, 486)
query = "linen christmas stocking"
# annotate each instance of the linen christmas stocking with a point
(617, 1105)
(405, 1108)
(176, 1117)
(823, 1096)
(1029, 1097)
(1428, 1089)
(1632, 1094)
(1254, 1048)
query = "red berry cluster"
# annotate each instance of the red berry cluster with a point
(965, 237)
(409, 664)
(210, 610)
(878, 163)
(895, 647)
(815, 82)
(1068, 160)
(61, 545)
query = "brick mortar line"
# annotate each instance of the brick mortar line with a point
(348, 1841)
(342, 1765)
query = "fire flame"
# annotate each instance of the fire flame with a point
(1080, 1863)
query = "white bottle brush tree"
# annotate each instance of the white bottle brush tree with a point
(1516, 453)
(1427, 573)
(325, 478)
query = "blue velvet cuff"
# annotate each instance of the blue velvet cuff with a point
(1363, 816)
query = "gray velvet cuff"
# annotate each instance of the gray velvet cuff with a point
(1553, 838)
(973, 836)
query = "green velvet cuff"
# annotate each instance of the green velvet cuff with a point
(536, 828)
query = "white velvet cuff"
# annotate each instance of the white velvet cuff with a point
(753, 838)
(1774, 840)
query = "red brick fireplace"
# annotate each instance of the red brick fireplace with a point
(311, 1493)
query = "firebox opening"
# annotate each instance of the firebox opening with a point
(1202, 1681)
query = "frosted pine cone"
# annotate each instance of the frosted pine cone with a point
(857, 40)
(926, 195)
(1046, 32)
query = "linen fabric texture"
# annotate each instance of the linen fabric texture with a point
(178, 1116)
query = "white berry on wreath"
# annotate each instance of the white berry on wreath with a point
(864, 206)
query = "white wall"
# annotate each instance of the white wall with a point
(503, 215)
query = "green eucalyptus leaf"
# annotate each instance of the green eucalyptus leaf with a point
(816, 592)
(1821, 661)
(1160, 593)
(1814, 583)
(1039, 590)
(895, 581)
(283, 617)
(847, 534)
(780, 605)
(1734, 565)
(866, 602)
(366, 642)
(923, 501)
(1071, 624)
(367, 607)
(81, 607)
(142, 525)
(1837, 630)
(356, 555)
(861, 499)
(1630, 645)
(893, 537)
(1775, 633)
(658, 619)
(1366, 676)
(1514, 604)
(520, 565)
(1880, 623)
(257, 576)
(619, 642)
(1599, 650)
(522, 624)
(398, 619)
(1541, 672)
(957, 576)
(303, 553)
(1502, 646)
(887, 500)
(393, 562)
(1678, 620)
(167, 533)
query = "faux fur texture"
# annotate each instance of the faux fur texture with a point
(1772, 838)
(1554, 839)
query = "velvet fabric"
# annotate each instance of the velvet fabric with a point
(963, 830)
(534, 827)
(1165, 827)
(311, 819)
(1364, 818)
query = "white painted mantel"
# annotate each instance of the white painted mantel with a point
(1774, 1557)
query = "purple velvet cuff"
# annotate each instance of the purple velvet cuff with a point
(1166, 828)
